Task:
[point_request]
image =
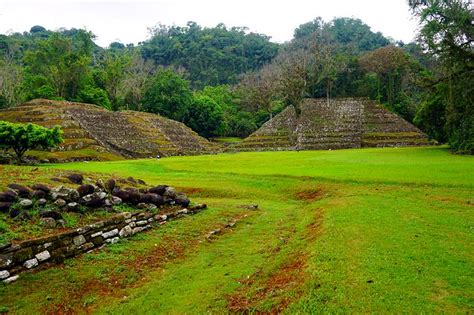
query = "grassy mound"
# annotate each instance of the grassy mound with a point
(353, 231)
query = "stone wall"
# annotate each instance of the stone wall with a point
(50, 250)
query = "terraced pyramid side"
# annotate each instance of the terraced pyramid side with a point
(341, 123)
(93, 133)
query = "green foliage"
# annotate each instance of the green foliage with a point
(205, 116)
(23, 137)
(211, 56)
(447, 32)
(168, 94)
(93, 95)
(431, 117)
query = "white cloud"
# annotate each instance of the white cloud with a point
(127, 21)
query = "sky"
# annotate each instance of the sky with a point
(128, 21)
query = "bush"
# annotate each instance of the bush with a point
(93, 95)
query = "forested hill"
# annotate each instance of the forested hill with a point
(210, 56)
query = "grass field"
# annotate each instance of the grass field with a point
(348, 231)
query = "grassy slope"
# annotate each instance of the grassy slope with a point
(371, 230)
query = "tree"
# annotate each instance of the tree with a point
(11, 76)
(23, 137)
(205, 116)
(168, 94)
(447, 32)
(136, 75)
(59, 63)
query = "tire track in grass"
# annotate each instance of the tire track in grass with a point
(281, 286)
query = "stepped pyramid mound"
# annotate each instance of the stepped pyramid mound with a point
(343, 123)
(93, 133)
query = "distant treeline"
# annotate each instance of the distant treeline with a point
(224, 81)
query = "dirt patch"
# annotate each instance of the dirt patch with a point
(288, 278)
(310, 194)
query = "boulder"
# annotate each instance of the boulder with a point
(22, 191)
(160, 190)
(94, 200)
(125, 231)
(41, 187)
(41, 202)
(23, 216)
(31, 263)
(86, 189)
(8, 196)
(25, 203)
(182, 200)
(72, 206)
(152, 198)
(169, 194)
(141, 182)
(100, 183)
(110, 184)
(38, 194)
(14, 212)
(122, 194)
(115, 200)
(5, 206)
(51, 214)
(60, 202)
(75, 178)
(131, 180)
(65, 193)
(48, 223)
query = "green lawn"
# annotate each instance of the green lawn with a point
(347, 231)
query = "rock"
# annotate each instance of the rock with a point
(79, 240)
(182, 200)
(60, 202)
(94, 200)
(107, 203)
(100, 183)
(131, 180)
(134, 197)
(169, 194)
(23, 215)
(55, 179)
(61, 223)
(143, 190)
(110, 184)
(50, 214)
(41, 202)
(4, 274)
(23, 191)
(122, 194)
(141, 182)
(112, 240)
(75, 178)
(48, 223)
(8, 196)
(11, 279)
(142, 205)
(65, 193)
(115, 200)
(14, 212)
(41, 187)
(160, 190)
(5, 206)
(45, 255)
(31, 263)
(152, 198)
(38, 194)
(5, 260)
(85, 190)
(125, 231)
(72, 206)
(152, 207)
(25, 203)
(110, 233)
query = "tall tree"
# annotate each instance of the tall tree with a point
(447, 32)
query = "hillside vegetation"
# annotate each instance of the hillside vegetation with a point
(367, 230)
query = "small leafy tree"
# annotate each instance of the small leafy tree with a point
(23, 137)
